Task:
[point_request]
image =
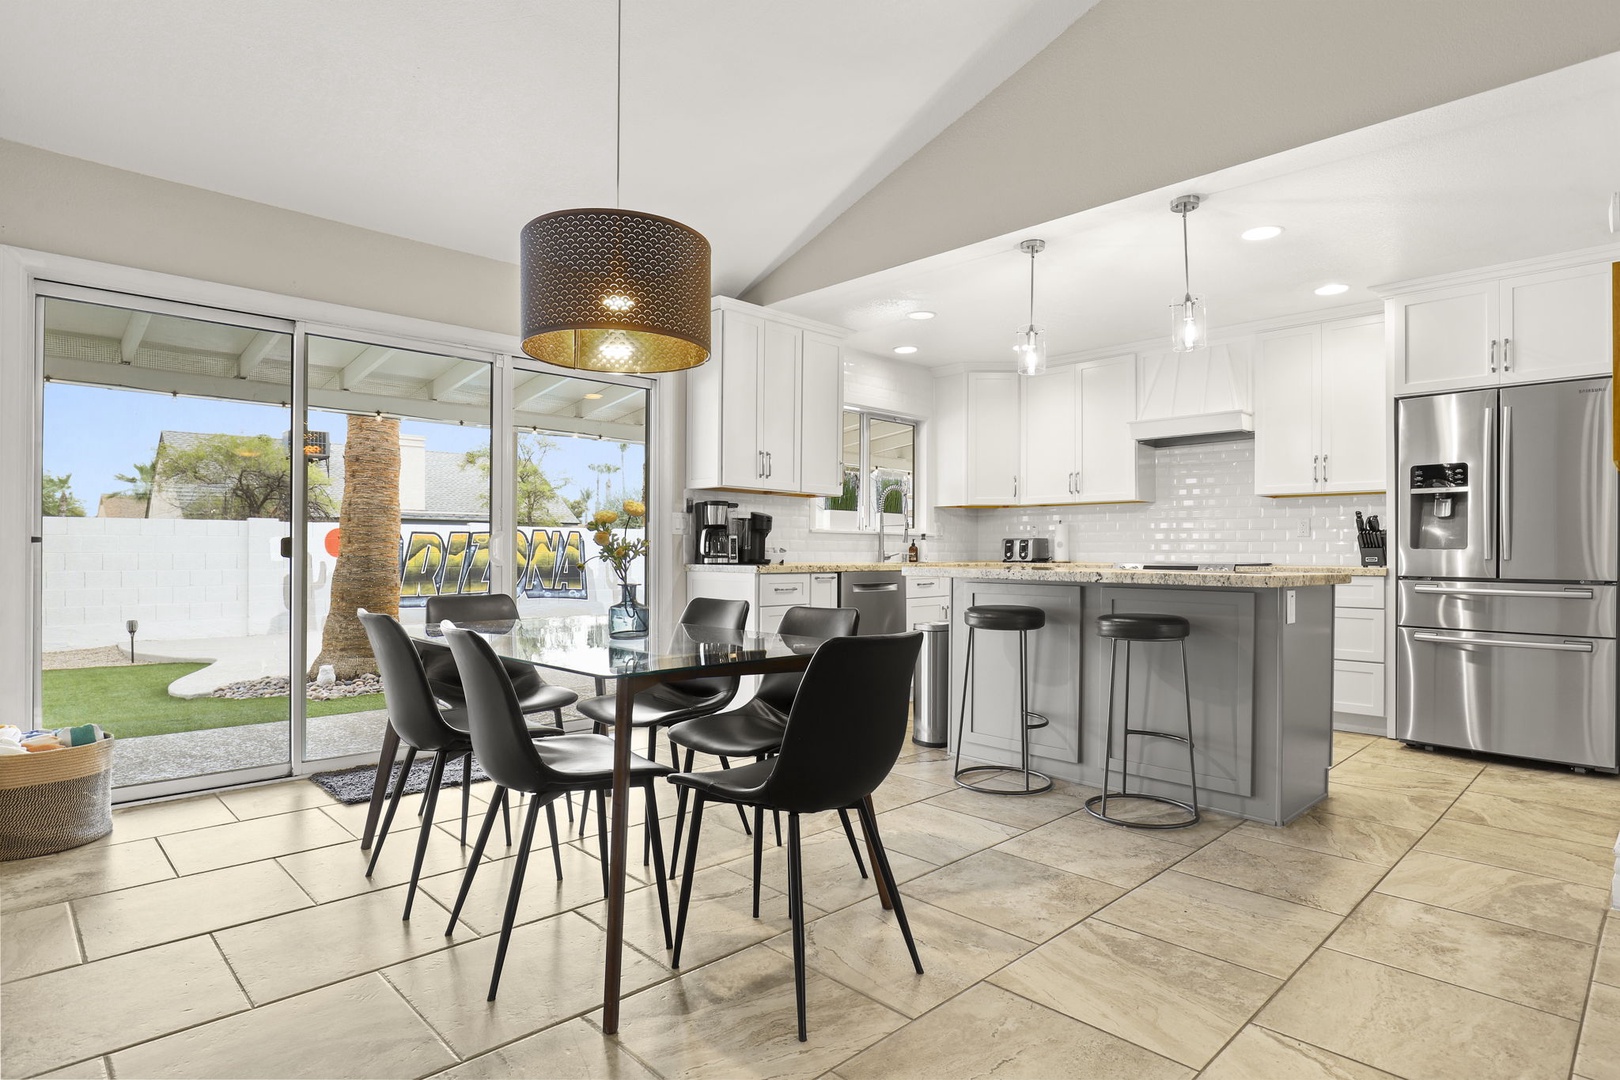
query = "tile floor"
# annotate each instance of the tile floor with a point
(1438, 916)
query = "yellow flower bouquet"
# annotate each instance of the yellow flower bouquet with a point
(627, 618)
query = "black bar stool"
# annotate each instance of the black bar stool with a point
(1131, 629)
(1006, 617)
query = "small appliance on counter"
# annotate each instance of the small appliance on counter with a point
(713, 538)
(751, 547)
(1026, 549)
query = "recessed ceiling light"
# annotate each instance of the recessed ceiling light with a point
(592, 397)
(1262, 232)
(1332, 289)
(919, 315)
(905, 350)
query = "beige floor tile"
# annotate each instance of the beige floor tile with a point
(1511, 896)
(986, 1032)
(1366, 772)
(359, 1028)
(862, 947)
(1416, 1026)
(1082, 845)
(1018, 811)
(161, 818)
(83, 871)
(574, 1048)
(1347, 837)
(288, 954)
(1441, 762)
(937, 770)
(1211, 825)
(553, 972)
(934, 834)
(339, 870)
(1259, 932)
(1128, 984)
(831, 879)
(251, 840)
(542, 895)
(79, 1012)
(1258, 1054)
(1405, 809)
(36, 940)
(1526, 966)
(184, 907)
(1584, 864)
(736, 1018)
(352, 816)
(1249, 861)
(1608, 961)
(1537, 818)
(1599, 1054)
(280, 797)
(1597, 794)
(1030, 899)
(899, 790)
(94, 1069)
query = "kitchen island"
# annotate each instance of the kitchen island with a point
(1259, 659)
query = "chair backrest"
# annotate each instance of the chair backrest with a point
(471, 608)
(500, 737)
(412, 709)
(778, 691)
(847, 725)
(729, 615)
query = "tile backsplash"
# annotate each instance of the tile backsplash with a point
(1205, 506)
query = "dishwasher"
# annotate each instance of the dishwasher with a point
(880, 597)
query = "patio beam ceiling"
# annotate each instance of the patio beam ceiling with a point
(252, 356)
(134, 331)
(370, 359)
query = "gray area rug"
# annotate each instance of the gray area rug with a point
(355, 785)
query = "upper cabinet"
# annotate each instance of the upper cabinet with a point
(1550, 325)
(992, 439)
(764, 414)
(1319, 405)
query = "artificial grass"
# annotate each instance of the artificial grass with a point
(133, 700)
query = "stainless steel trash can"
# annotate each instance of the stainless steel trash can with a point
(931, 690)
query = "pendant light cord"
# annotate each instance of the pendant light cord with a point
(618, 108)
(1186, 267)
(1032, 289)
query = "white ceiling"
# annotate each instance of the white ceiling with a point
(1515, 173)
(756, 123)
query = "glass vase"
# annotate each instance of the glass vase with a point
(627, 618)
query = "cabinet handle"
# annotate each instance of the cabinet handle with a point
(1493, 356)
(770, 467)
(1015, 487)
(1324, 468)
(1316, 468)
(759, 464)
(1507, 354)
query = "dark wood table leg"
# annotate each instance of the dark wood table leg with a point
(385, 769)
(871, 860)
(617, 845)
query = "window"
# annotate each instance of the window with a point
(880, 469)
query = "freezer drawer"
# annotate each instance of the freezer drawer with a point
(1509, 606)
(1532, 696)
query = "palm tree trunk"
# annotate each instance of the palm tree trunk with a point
(367, 571)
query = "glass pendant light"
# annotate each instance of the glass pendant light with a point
(1029, 340)
(1189, 328)
(614, 290)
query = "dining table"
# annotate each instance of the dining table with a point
(583, 645)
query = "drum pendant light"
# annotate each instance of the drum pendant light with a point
(1029, 340)
(614, 289)
(1188, 325)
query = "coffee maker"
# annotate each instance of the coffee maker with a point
(709, 521)
(751, 544)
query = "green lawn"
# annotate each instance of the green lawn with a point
(133, 700)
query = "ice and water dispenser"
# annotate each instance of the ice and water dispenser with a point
(1438, 515)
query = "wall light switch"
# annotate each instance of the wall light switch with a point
(680, 523)
(1293, 607)
(1303, 529)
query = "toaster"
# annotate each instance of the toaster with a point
(1026, 549)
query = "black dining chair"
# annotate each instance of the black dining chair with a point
(535, 695)
(754, 728)
(544, 768)
(843, 735)
(424, 728)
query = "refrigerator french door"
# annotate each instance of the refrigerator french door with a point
(1509, 536)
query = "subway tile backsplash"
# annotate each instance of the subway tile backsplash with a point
(1206, 507)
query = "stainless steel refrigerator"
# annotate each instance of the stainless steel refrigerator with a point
(1507, 563)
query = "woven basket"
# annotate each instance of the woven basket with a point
(55, 800)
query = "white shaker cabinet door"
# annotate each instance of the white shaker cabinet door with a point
(992, 439)
(1049, 438)
(821, 407)
(1287, 455)
(779, 407)
(1447, 339)
(1110, 461)
(1557, 325)
(742, 347)
(1353, 402)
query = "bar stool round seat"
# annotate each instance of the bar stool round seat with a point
(1133, 628)
(1019, 619)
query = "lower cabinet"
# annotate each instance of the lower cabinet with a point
(1359, 621)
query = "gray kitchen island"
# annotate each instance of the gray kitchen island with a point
(1259, 660)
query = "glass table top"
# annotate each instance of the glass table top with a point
(580, 644)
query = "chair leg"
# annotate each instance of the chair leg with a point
(687, 873)
(881, 858)
(601, 835)
(759, 852)
(584, 808)
(477, 856)
(430, 799)
(513, 896)
(393, 804)
(466, 794)
(849, 831)
(796, 915)
(680, 807)
(506, 817)
(652, 747)
(551, 823)
(742, 812)
(660, 874)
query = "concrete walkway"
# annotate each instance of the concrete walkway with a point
(229, 660)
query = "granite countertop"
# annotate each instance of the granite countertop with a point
(1272, 577)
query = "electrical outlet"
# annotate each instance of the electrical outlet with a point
(680, 524)
(1303, 530)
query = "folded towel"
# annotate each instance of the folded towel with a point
(79, 735)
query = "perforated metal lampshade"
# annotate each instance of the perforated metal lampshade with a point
(615, 290)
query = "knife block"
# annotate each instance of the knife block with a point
(1375, 556)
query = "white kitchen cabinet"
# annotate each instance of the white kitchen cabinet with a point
(1049, 433)
(992, 438)
(1553, 324)
(1319, 409)
(1113, 467)
(1359, 670)
(763, 413)
(1358, 634)
(928, 599)
(823, 590)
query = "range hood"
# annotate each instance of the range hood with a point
(1195, 397)
(1198, 428)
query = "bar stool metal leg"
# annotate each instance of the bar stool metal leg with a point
(1034, 783)
(1097, 805)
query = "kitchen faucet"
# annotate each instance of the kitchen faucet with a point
(879, 494)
